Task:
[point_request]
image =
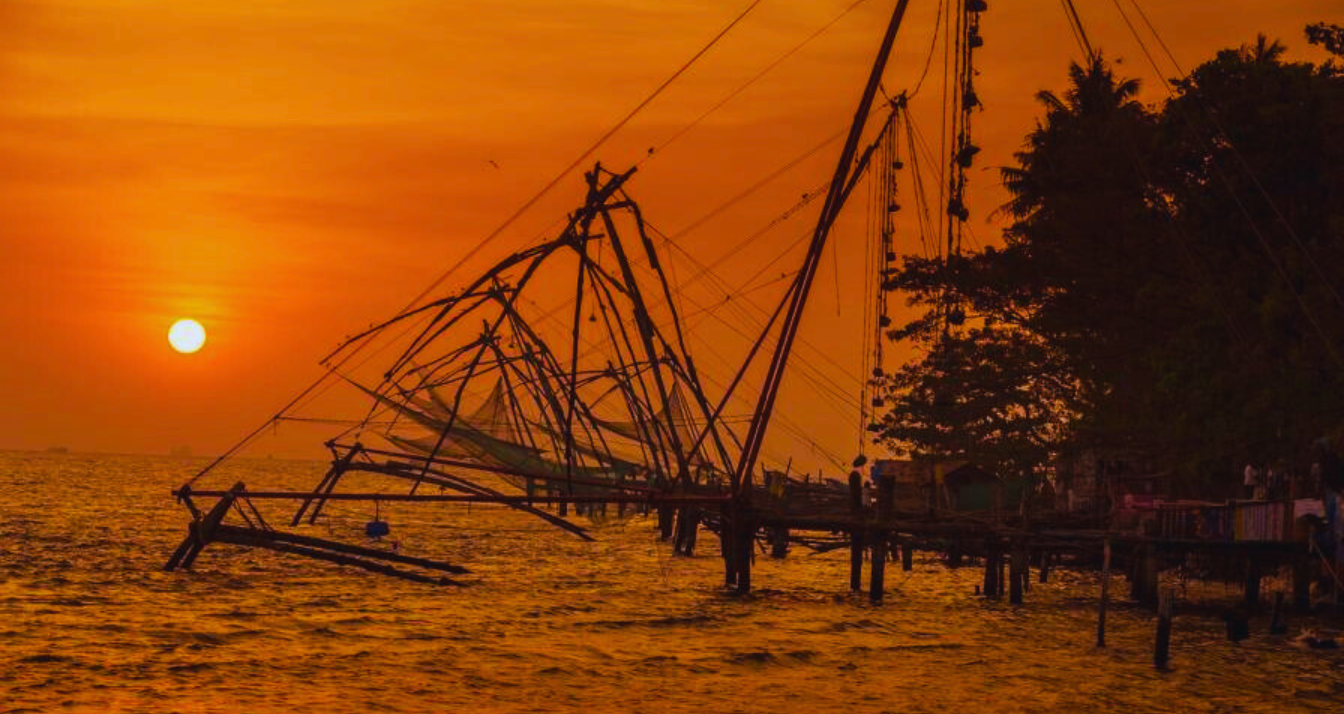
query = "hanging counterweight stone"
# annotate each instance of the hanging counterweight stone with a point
(377, 529)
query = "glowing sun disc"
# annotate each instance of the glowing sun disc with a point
(186, 336)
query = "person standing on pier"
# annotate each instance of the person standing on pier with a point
(1251, 481)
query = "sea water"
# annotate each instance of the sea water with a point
(545, 622)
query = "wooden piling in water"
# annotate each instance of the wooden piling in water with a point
(779, 542)
(877, 588)
(907, 555)
(991, 584)
(856, 534)
(856, 560)
(1277, 623)
(1017, 575)
(1252, 587)
(1162, 643)
(744, 545)
(664, 522)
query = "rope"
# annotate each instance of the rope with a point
(742, 87)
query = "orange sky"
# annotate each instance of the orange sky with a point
(289, 172)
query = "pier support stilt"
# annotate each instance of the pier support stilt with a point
(779, 542)
(1017, 575)
(744, 545)
(664, 522)
(878, 566)
(1277, 624)
(856, 560)
(1252, 589)
(993, 571)
(1162, 643)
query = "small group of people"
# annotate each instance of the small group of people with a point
(1273, 481)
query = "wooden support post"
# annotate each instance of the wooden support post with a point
(1277, 624)
(691, 531)
(779, 542)
(201, 532)
(744, 542)
(1017, 575)
(1162, 644)
(1105, 591)
(907, 555)
(856, 559)
(664, 522)
(1252, 589)
(856, 534)
(328, 484)
(991, 585)
(1000, 580)
(727, 527)
(954, 554)
(1045, 566)
(877, 586)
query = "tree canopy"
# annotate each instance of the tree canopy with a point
(1170, 281)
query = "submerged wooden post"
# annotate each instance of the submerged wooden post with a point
(1251, 588)
(855, 559)
(1017, 575)
(1105, 591)
(1162, 644)
(856, 534)
(744, 543)
(1277, 625)
(664, 522)
(879, 567)
(779, 542)
(954, 554)
(907, 555)
(688, 524)
(727, 526)
(993, 586)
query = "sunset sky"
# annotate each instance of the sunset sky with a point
(288, 172)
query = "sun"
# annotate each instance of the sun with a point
(186, 336)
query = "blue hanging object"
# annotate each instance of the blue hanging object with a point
(377, 529)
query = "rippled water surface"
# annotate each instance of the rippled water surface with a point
(89, 622)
